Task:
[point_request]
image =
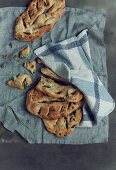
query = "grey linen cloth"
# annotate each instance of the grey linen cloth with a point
(13, 113)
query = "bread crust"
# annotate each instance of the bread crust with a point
(39, 18)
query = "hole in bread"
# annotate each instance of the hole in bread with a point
(72, 105)
(59, 92)
(32, 66)
(60, 134)
(46, 3)
(37, 28)
(72, 119)
(72, 114)
(62, 99)
(51, 109)
(27, 33)
(25, 84)
(30, 13)
(65, 134)
(62, 109)
(24, 23)
(47, 86)
(35, 20)
(33, 96)
(66, 124)
(39, 112)
(69, 105)
(73, 92)
(46, 11)
(37, 5)
(73, 126)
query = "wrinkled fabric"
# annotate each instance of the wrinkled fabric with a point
(13, 113)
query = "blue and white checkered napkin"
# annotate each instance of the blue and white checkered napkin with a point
(71, 59)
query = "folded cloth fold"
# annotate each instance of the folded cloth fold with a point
(71, 59)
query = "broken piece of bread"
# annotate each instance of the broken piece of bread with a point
(21, 82)
(24, 53)
(31, 66)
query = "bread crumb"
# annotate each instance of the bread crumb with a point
(25, 52)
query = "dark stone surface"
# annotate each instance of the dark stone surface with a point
(17, 155)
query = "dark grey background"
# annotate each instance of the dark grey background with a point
(16, 154)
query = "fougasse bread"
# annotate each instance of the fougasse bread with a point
(39, 18)
(53, 89)
(48, 107)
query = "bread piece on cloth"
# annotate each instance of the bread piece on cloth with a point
(20, 82)
(47, 107)
(39, 17)
(65, 125)
(31, 66)
(53, 89)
